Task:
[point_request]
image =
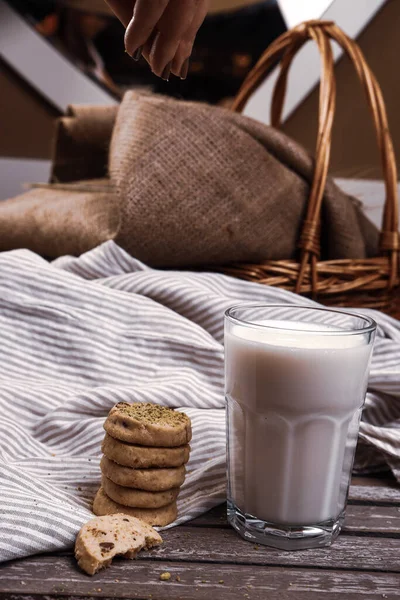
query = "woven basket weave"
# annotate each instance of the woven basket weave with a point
(372, 282)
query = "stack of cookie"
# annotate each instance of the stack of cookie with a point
(145, 448)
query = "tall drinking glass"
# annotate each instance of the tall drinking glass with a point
(296, 379)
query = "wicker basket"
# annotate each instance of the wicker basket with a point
(372, 282)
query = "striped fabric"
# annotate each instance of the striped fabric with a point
(81, 334)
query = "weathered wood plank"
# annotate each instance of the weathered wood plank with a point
(374, 490)
(216, 517)
(199, 544)
(224, 546)
(207, 551)
(383, 520)
(52, 577)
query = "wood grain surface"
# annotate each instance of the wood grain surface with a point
(208, 561)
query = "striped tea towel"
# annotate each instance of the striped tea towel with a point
(81, 334)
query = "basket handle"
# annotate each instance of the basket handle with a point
(286, 47)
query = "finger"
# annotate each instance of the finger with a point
(172, 26)
(148, 45)
(146, 15)
(180, 64)
(123, 10)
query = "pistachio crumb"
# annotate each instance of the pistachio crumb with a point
(165, 576)
(151, 413)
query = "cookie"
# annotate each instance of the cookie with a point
(152, 480)
(148, 425)
(138, 498)
(102, 538)
(142, 457)
(158, 517)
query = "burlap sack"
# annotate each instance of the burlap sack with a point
(59, 219)
(68, 218)
(82, 142)
(196, 185)
(201, 185)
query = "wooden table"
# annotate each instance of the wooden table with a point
(207, 560)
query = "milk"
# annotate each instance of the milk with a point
(294, 400)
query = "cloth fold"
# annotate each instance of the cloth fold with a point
(54, 220)
(80, 334)
(201, 185)
(82, 142)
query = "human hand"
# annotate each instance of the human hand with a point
(162, 30)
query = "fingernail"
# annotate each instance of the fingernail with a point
(184, 70)
(137, 54)
(166, 72)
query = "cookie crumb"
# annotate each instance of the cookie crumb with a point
(256, 547)
(165, 576)
(177, 578)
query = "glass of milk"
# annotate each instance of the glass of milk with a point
(296, 379)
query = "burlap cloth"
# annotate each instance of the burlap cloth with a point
(189, 185)
(82, 142)
(56, 220)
